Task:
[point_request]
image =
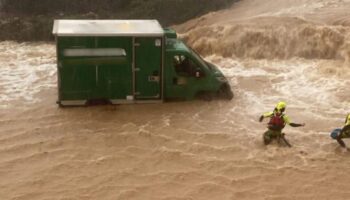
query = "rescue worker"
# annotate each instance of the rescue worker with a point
(277, 122)
(344, 132)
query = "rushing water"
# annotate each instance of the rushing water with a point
(196, 149)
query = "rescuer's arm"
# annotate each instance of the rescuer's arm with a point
(287, 120)
(268, 114)
(296, 125)
(261, 118)
(346, 119)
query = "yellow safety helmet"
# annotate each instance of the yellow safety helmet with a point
(281, 106)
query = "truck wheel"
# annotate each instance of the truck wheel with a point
(205, 96)
(229, 95)
(225, 92)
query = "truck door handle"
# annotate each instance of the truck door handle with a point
(153, 78)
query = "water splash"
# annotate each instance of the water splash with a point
(26, 70)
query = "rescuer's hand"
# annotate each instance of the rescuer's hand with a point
(261, 118)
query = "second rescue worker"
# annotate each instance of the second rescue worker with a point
(344, 132)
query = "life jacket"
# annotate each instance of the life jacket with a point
(276, 122)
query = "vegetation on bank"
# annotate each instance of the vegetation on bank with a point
(31, 20)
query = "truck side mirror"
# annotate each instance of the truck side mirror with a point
(198, 73)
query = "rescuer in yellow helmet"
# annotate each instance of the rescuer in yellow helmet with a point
(278, 120)
(342, 133)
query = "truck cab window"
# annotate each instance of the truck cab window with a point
(184, 66)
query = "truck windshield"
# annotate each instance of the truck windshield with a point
(200, 59)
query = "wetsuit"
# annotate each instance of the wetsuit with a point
(276, 131)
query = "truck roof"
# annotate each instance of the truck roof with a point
(107, 28)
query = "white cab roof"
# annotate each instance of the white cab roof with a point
(107, 28)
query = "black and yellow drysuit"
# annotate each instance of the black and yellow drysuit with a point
(278, 121)
(345, 131)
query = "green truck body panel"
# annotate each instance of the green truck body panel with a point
(94, 77)
(129, 65)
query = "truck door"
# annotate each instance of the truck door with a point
(148, 66)
(189, 78)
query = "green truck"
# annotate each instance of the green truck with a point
(130, 61)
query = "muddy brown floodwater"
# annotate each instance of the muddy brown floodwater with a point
(296, 51)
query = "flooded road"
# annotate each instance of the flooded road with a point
(296, 51)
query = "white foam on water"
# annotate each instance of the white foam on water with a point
(311, 95)
(26, 70)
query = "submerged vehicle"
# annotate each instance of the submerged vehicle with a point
(130, 61)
